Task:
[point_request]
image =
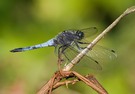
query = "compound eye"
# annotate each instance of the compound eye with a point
(80, 34)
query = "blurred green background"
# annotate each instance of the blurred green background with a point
(29, 22)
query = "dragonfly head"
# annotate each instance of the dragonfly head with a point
(79, 34)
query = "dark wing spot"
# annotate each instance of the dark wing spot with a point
(94, 27)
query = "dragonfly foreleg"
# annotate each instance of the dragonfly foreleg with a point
(82, 42)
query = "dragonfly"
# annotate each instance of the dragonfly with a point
(71, 42)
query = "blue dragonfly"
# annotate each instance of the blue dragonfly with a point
(71, 42)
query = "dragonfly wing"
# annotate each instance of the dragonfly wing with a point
(89, 31)
(100, 53)
(70, 53)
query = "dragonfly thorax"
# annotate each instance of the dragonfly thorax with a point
(69, 36)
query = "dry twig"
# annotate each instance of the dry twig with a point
(56, 79)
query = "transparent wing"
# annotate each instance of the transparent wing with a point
(100, 53)
(70, 53)
(89, 31)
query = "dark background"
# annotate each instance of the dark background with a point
(29, 22)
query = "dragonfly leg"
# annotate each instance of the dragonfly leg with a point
(80, 48)
(82, 42)
(59, 55)
(61, 50)
(76, 43)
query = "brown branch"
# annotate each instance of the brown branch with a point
(47, 87)
(56, 79)
(92, 82)
(66, 82)
(65, 73)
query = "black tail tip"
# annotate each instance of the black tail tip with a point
(113, 51)
(16, 50)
